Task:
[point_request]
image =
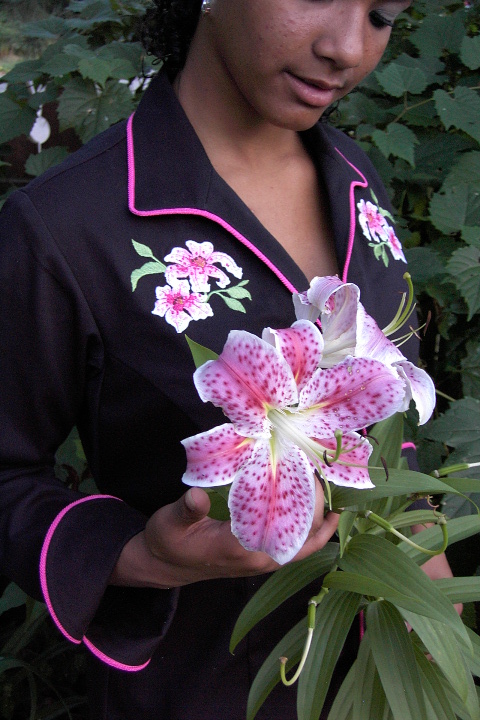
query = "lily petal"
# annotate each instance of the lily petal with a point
(372, 343)
(349, 396)
(351, 469)
(301, 345)
(272, 503)
(420, 388)
(249, 376)
(215, 456)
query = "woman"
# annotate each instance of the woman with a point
(216, 201)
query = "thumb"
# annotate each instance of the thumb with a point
(193, 506)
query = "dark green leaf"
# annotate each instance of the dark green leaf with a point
(335, 615)
(37, 164)
(269, 674)
(378, 560)
(280, 586)
(395, 661)
(200, 353)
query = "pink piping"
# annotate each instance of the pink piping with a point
(43, 561)
(192, 211)
(109, 661)
(353, 219)
(409, 446)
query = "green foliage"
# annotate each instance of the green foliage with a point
(371, 571)
(88, 76)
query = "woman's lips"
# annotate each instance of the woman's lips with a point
(312, 92)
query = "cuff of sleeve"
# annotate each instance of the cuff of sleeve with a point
(121, 626)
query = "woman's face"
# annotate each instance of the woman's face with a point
(286, 61)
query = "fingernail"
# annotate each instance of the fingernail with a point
(190, 500)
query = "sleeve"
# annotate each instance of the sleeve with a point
(55, 543)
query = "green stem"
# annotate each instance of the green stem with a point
(444, 395)
(441, 520)
(407, 108)
(311, 616)
(460, 467)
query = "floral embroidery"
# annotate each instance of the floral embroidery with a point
(199, 264)
(179, 306)
(373, 221)
(187, 294)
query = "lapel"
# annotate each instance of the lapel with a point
(169, 173)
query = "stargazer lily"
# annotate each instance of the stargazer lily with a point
(348, 330)
(287, 416)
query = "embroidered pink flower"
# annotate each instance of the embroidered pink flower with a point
(349, 330)
(198, 263)
(284, 414)
(372, 221)
(179, 306)
(394, 245)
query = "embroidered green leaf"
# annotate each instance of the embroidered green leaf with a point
(150, 268)
(234, 304)
(143, 250)
(239, 293)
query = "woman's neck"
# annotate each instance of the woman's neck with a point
(229, 129)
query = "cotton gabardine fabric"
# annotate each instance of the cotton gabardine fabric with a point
(93, 337)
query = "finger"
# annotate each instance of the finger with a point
(321, 536)
(192, 507)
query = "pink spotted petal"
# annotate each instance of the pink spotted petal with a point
(272, 506)
(350, 396)
(247, 377)
(215, 456)
(420, 387)
(301, 345)
(372, 343)
(351, 469)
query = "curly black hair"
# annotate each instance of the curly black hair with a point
(167, 30)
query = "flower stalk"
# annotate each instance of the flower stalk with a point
(381, 522)
(311, 617)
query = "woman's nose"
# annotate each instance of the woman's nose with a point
(343, 41)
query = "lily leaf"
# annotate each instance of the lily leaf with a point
(334, 619)
(438, 706)
(368, 695)
(460, 589)
(400, 482)
(388, 435)
(345, 524)
(200, 353)
(395, 661)
(450, 656)
(342, 708)
(268, 676)
(381, 561)
(280, 586)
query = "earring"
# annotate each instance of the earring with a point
(206, 7)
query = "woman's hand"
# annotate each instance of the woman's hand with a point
(181, 545)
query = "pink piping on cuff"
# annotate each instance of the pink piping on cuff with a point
(109, 661)
(43, 560)
(353, 220)
(192, 211)
(409, 446)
